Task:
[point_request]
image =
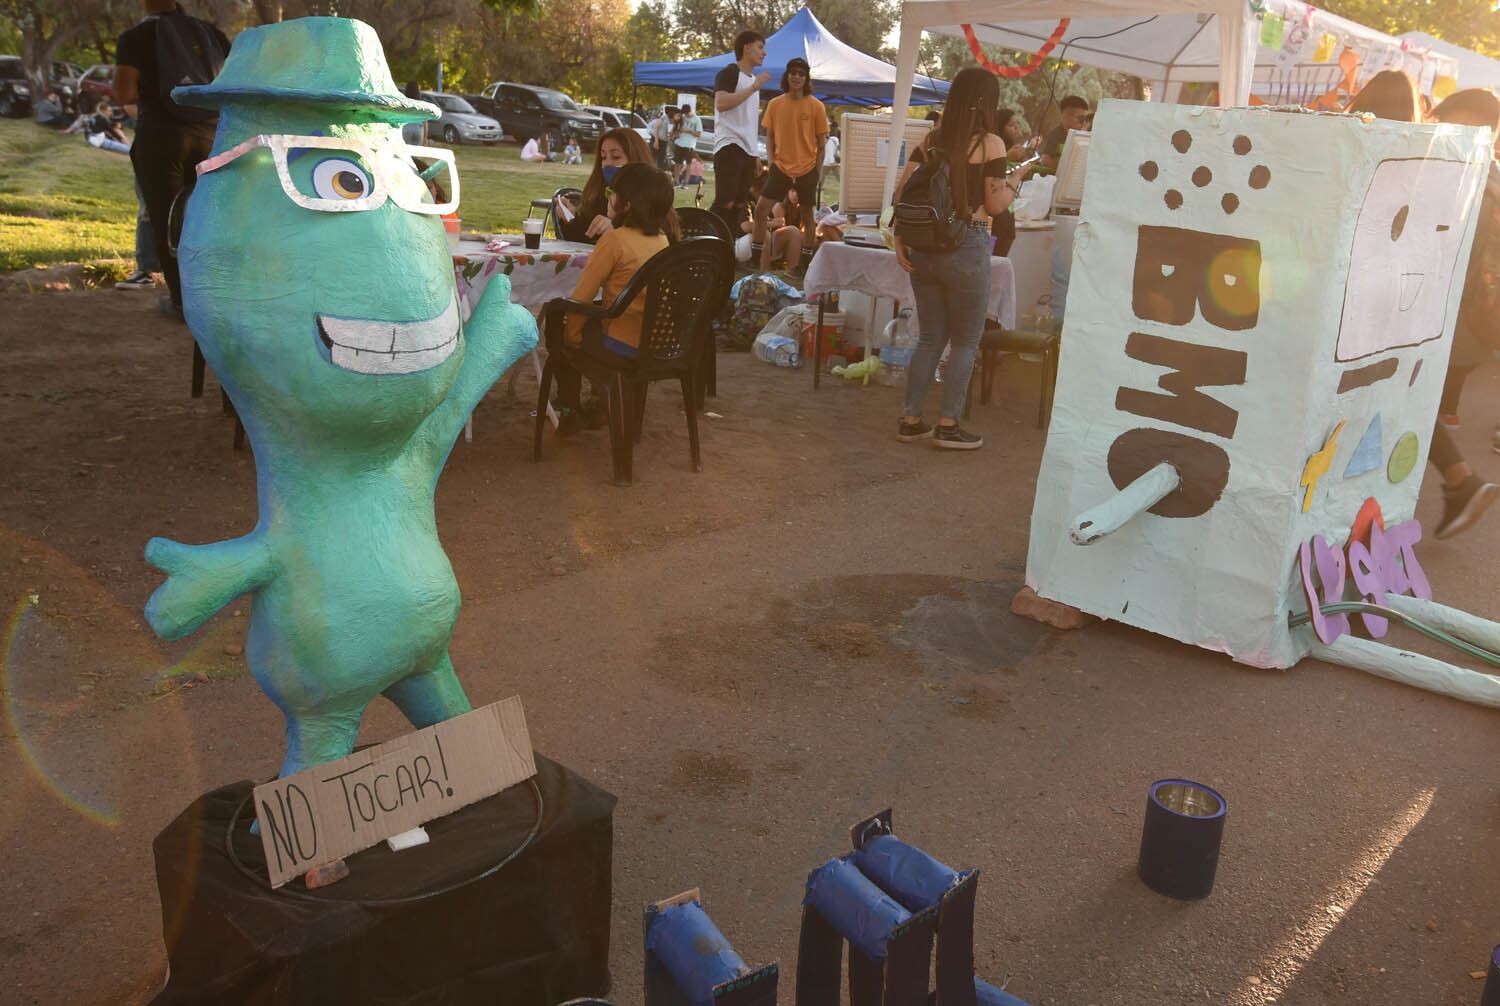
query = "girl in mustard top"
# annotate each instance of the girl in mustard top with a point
(640, 203)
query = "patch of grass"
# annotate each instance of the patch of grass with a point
(64, 201)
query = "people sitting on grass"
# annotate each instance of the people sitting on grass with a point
(695, 171)
(640, 205)
(588, 220)
(50, 112)
(536, 151)
(102, 130)
(572, 153)
(784, 235)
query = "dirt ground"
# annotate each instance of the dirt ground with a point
(751, 658)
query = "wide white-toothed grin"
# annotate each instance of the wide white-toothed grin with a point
(391, 347)
(1411, 285)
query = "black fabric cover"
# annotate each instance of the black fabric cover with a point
(536, 931)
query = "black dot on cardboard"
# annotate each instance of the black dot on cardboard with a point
(1202, 176)
(1242, 145)
(450, 790)
(1260, 176)
(1173, 199)
(1182, 140)
(1149, 171)
(1230, 202)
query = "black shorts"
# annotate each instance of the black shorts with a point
(777, 184)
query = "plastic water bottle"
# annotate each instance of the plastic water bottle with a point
(777, 349)
(895, 355)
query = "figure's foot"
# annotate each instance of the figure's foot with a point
(907, 432)
(956, 438)
(1464, 504)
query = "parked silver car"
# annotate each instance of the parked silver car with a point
(459, 123)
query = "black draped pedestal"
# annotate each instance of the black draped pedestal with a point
(434, 924)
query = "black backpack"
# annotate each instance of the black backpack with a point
(925, 217)
(187, 52)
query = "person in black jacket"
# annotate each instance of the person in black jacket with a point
(168, 143)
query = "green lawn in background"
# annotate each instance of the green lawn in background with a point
(61, 200)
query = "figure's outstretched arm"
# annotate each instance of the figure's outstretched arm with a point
(201, 579)
(498, 334)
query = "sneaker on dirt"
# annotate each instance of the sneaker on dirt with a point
(907, 432)
(137, 280)
(956, 438)
(1464, 505)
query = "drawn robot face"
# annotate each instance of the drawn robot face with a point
(1401, 266)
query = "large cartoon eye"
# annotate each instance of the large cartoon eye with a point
(1398, 224)
(340, 178)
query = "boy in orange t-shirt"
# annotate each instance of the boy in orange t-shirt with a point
(796, 133)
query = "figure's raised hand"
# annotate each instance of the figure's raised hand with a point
(201, 579)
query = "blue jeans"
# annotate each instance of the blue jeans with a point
(145, 238)
(953, 292)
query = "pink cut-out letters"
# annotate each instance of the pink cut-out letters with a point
(1387, 564)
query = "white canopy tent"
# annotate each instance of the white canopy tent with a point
(1172, 42)
(1474, 70)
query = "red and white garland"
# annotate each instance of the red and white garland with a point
(1014, 71)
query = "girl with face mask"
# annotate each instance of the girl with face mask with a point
(590, 218)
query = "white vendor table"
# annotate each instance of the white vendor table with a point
(875, 271)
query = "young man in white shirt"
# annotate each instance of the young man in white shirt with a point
(737, 105)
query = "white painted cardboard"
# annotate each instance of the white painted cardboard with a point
(1341, 285)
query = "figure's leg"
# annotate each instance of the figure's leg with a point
(431, 696)
(316, 738)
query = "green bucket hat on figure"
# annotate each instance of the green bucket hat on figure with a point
(310, 60)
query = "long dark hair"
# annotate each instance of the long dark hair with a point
(636, 152)
(968, 116)
(643, 196)
(1390, 94)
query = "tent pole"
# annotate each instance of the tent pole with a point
(634, 92)
(906, 69)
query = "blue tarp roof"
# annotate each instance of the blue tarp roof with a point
(841, 73)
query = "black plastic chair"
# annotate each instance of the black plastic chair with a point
(549, 208)
(694, 222)
(679, 284)
(997, 340)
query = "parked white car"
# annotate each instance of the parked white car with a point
(620, 118)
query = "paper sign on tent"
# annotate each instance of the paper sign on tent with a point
(1272, 28)
(333, 810)
(1326, 45)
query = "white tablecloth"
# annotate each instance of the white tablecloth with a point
(875, 271)
(535, 276)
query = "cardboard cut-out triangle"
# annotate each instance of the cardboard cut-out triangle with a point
(1368, 454)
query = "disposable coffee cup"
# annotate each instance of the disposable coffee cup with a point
(531, 229)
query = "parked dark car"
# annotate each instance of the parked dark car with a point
(15, 92)
(526, 111)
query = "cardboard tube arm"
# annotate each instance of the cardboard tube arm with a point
(1470, 628)
(1412, 669)
(1135, 499)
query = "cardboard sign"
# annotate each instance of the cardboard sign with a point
(339, 808)
(1250, 291)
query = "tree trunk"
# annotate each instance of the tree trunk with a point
(268, 11)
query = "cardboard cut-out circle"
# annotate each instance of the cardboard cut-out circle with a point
(1230, 202)
(1173, 199)
(1182, 140)
(1260, 176)
(1202, 176)
(1242, 145)
(1149, 171)
(1403, 458)
(1203, 467)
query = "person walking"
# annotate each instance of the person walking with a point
(736, 133)
(685, 143)
(952, 288)
(796, 133)
(167, 48)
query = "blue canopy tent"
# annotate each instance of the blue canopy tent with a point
(842, 75)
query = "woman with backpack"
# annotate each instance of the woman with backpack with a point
(948, 252)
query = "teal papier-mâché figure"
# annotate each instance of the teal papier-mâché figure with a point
(318, 280)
